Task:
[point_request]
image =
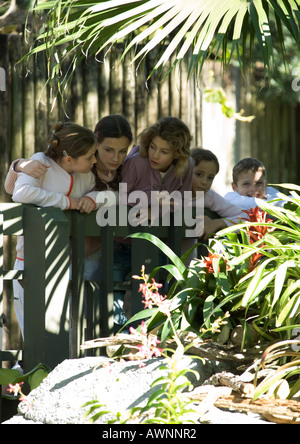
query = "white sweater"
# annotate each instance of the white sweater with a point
(53, 189)
(246, 202)
(232, 214)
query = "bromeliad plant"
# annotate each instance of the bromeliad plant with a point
(252, 271)
(271, 290)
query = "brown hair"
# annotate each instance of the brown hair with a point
(176, 133)
(247, 164)
(69, 139)
(112, 126)
(199, 154)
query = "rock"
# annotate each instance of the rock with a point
(58, 400)
(120, 387)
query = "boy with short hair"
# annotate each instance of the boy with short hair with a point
(249, 182)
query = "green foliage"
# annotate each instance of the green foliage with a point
(34, 377)
(170, 29)
(286, 352)
(255, 276)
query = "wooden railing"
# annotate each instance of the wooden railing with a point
(59, 314)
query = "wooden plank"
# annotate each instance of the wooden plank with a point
(29, 110)
(107, 290)
(46, 279)
(4, 114)
(90, 93)
(41, 103)
(77, 283)
(116, 82)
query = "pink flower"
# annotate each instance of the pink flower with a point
(151, 295)
(15, 389)
(148, 348)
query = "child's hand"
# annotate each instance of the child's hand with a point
(73, 203)
(33, 168)
(211, 226)
(86, 205)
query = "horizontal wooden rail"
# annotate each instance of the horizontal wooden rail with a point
(53, 240)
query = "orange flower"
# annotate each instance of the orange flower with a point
(257, 232)
(207, 262)
(256, 215)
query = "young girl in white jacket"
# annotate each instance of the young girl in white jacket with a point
(66, 184)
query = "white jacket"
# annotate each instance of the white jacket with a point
(246, 202)
(53, 189)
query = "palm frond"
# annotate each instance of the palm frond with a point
(202, 27)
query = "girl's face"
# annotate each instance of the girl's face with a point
(203, 175)
(82, 164)
(251, 184)
(160, 154)
(112, 152)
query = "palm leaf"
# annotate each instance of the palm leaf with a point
(176, 27)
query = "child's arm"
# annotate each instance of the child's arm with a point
(33, 168)
(229, 214)
(244, 202)
(211, 226)
(27, 190)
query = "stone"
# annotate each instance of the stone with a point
(119, 386)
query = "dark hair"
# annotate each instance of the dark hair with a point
(176, 133)
(69, 139)
(199, 154)
(112, 126)
(247, 164)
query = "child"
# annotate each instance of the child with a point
(249, 182)
(69, 158)
(205, 169)
(162, 161)
(114, 137)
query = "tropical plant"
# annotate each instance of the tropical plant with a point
(271, 295)
(252, 271)
(171, 28)
(288, 352)
(167, 404)
(14, 378)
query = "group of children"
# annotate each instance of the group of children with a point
(80, 163)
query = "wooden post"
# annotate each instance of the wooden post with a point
(46, 279)
(107, 286)
(77, 284)
(4, 112)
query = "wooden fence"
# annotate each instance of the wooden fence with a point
(108, 86)
(61, 311)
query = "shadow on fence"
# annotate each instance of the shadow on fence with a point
(62, 310)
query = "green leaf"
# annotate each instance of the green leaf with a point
(258, 283)
(35, 379)
(164, 248)
(9, 376)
